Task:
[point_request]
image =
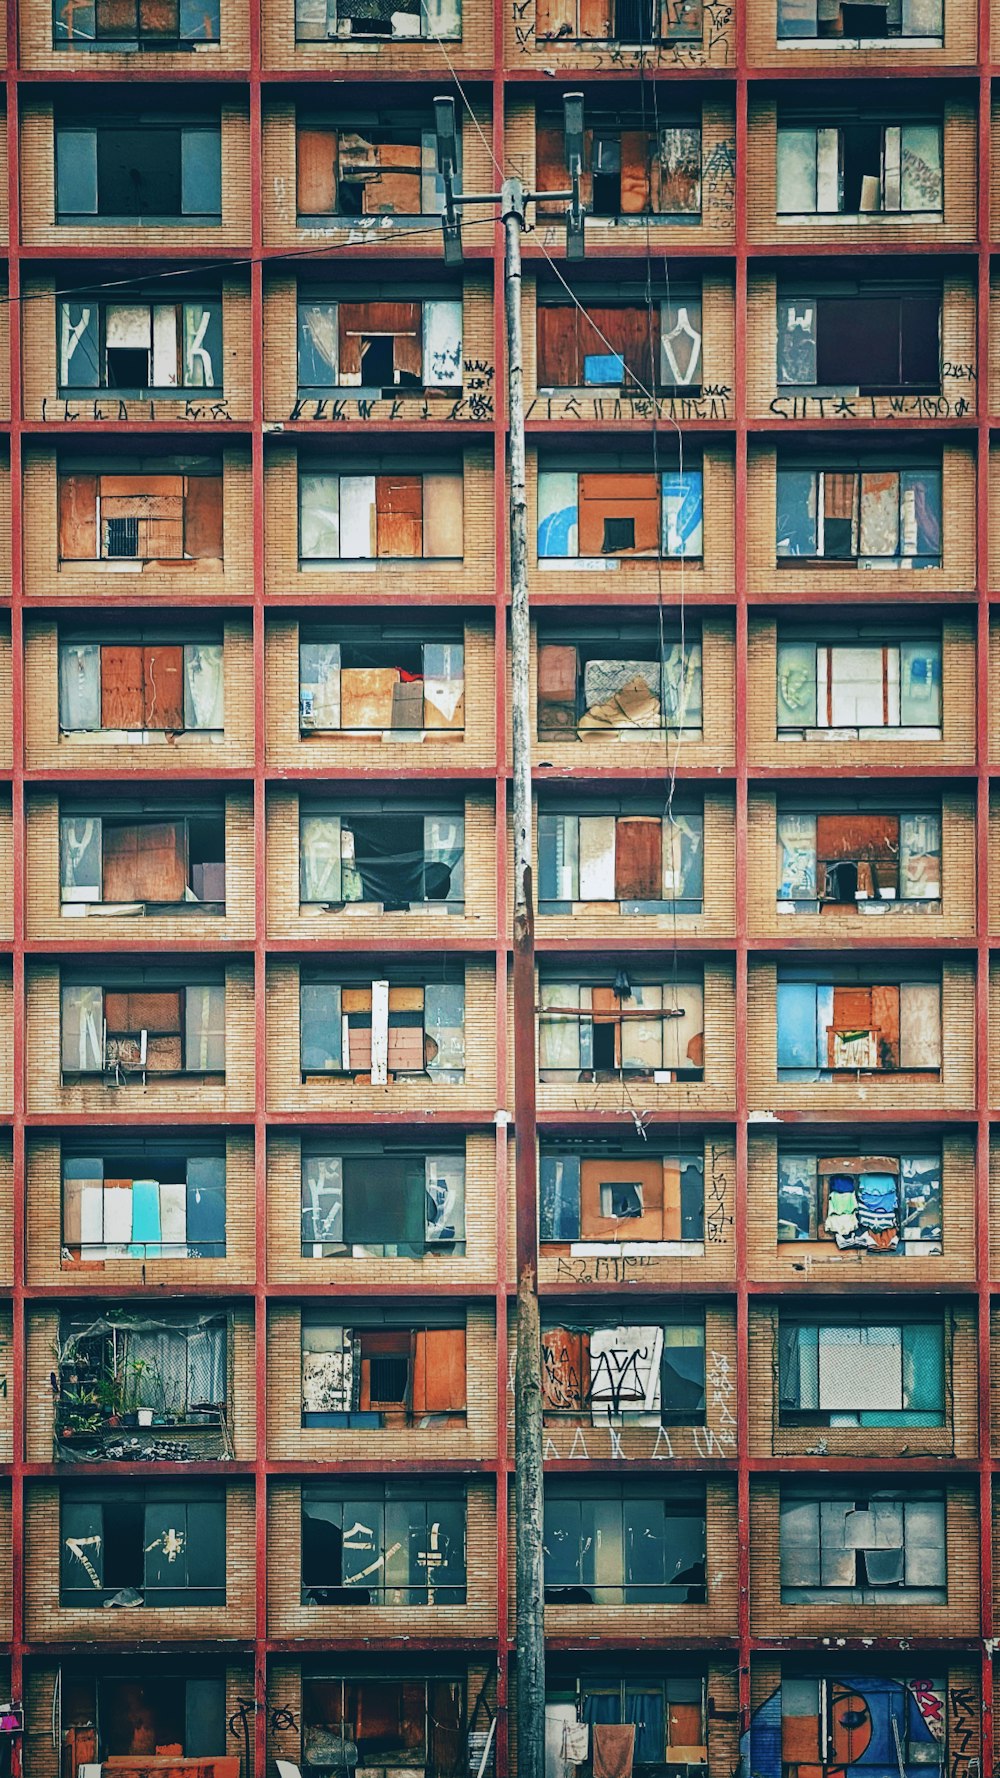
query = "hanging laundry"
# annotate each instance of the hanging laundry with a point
(614, 1749)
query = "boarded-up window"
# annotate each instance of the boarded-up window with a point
(860, 515)
(623, 21)
(144, 1205)
(620, 347)
(595, 514)
(645, 863)
(405, 515)
(620, 1199)
(374, 169)
(610, 1374)
(380, 345)
(170, 517)
(860, 689)
(859, 169)
(175, 863)
(627, 171)
(656, 1029)
(385, 1544)
(139, 345)
(376, 1030)
(129, 24)
(857, 1028)
(382, 1205)
(830, 862)
(861, 21)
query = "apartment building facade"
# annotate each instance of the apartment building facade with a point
(256, 1039)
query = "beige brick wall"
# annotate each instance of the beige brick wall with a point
(958, 1437)
(46, 577)
(46, 748)
(48, 1621)
(953, 1090)
(44, 1227)
(471, 1439)
(956, 746)
(44, 912)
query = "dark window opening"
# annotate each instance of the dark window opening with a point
(128, 368)
(139, 172)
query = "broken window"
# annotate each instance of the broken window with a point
(380, 1031)
(124, 691)
(134, 24)
(649, 1374)
(860, 168)
(872, 1373)
(417, 1723)
(628, 168)
(147, 170)
(863, 1550)
(645, 1029)
(319, 21)
(383, 165)
(857, 689)
(864, 515)
(595, 514)
(393, 686)
(624, 683)
(382, 1203)
(667, 1710)
(619, 21)
(394, 1543)
(158, 513)
(144, 1029)
(129, 1386)
(375, 347)
(862, 19)
(875, 1203)
(382, 1371)
(153, 1199)
(384, 858)
(828, 863)
(158, 864)
(868, 343)
(145, 1545)
(824, 1721)
(644, 864)
(139, 346)
(146, 1704)
(597, 1196)
(617, 346)
(399, 515)
(616, 1544)
(854, 1025)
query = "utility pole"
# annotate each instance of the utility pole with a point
(528, 1498)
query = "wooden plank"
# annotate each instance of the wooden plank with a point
(635, 154)
(560, 361)
(122, 705)
(399, 506)
(203, 517)
(444, 516)
(604, 497)
(315, 182)
(77, 518)
(439, 1371)
(145, 862)
(638, 858)
(163, 686)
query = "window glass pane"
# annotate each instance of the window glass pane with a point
(797, 533)
(923, 1366)
(796, 192)
(76, 172)
(322, 1203)
(78, 345)
(80, 693)
(201, 172)
(321, 1041)
(202, 345)
(920, 684)
(204, 686)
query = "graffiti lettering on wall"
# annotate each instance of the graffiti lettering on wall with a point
(711, 404)
(475, 402)
(870, 407)
(609, 1270)
(853, 1726)
(718, 1216)
(65, 410)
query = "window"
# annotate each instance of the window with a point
(134, 24)
(621, 1545)
(618, 1200)
(852, 1026)
(595, 513)
(379, 346)
(652, 1030)
(319, 21)
(860, 168)
(142, 1546)
(391, 1544)
(645, 1374)
(143, 170)
(614, 346)
(668, 1713)
(625, 683)
(375, 1203)
(628, 168)
(622, 21)
(833, 19)
(413, 1721)
(125, 1372)
(386, 858)
(143, 1705)
(857, 689)
(877, 1203)
(138, 346)
(146, 1200)
(381, 1371)
(868, 343)
(124, 691)
(874, 1373)
(380, 166)
(870, 1550)
(143, 1030)
(821, 1717)
(864, 516)
(643, 864)
(401, 515)
(859, 861)
(173, 865)
(380, 1030)
(158, 514)
(382, 685)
